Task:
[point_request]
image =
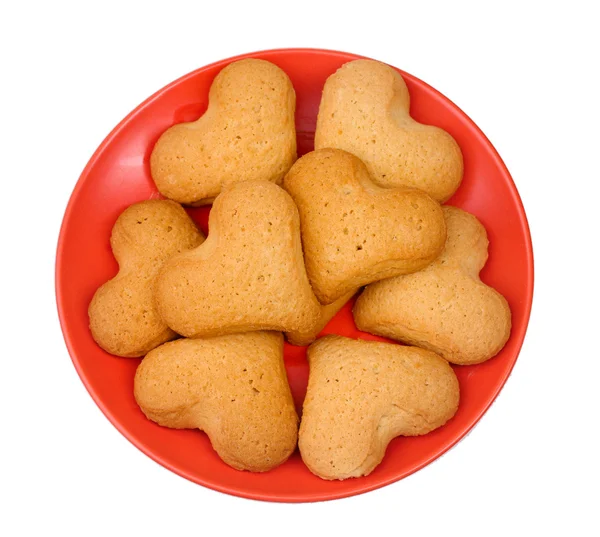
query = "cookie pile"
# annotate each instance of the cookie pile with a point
(290, 242)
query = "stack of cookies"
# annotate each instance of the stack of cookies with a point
(290, 242)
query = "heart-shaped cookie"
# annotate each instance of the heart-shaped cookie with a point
(247, 133)
(232, 387)
(365, 110)
(446, 307)
(362, 394)
(249, 273)
(355, 232)
(123, 316)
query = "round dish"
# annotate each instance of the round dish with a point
(118, 175)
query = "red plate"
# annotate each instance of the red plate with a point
(118, 175)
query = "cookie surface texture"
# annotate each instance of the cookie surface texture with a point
(355, 232)
(249, 273)
(362, 394)
(247, 133)
(232, 387)
(365, 110)
(446, 307)
(123, 316)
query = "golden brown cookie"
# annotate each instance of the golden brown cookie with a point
(445, 307)
(123, 316)
(248, 275)
(232, 387)
(362, 394)
(354, 232)
(327, 313)
(247, 133)
(365, 110)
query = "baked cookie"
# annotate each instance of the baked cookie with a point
(232, 387)
(123, 316)
(247, 133)
(248, 275)
(365, 110)
(446, 307)
(362, 394)
(354, 232)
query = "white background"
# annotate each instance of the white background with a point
(526, 73)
